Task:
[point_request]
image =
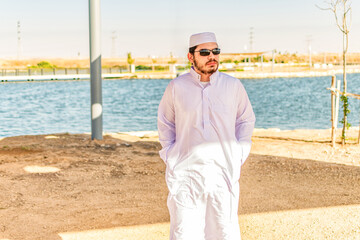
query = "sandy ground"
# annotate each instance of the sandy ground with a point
(63, 186)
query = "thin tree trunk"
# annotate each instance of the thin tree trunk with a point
(344, 109)
(345, 47)
(333, 101)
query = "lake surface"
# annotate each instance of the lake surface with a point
(131, 105)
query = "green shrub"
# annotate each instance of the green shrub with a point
(45, 64)
(143, 67)
(159, 68)
(227, 61)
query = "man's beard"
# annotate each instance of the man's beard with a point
(202, 68)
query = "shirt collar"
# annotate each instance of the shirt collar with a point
(197, 77)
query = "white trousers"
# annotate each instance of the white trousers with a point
(210, 216)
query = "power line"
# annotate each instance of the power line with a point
(251, 39)
(113, 45)
(19, 47)
(309, 40)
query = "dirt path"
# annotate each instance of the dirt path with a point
(293, 186)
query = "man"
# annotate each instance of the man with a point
(205, 123)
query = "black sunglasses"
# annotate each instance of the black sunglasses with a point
(206, 52)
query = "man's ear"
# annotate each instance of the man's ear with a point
(190, 57)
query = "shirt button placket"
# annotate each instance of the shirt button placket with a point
(206, 118)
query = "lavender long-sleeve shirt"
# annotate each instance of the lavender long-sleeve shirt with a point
(205, 131)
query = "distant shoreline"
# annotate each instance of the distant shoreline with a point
(166, 75)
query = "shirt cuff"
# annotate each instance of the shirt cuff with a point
(163, 153)
(245, 148)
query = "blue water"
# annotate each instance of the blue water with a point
(131, 105)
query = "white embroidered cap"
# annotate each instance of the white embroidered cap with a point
(200, 38)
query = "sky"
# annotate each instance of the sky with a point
(53, 28)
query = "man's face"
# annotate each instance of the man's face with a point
(205, 64)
